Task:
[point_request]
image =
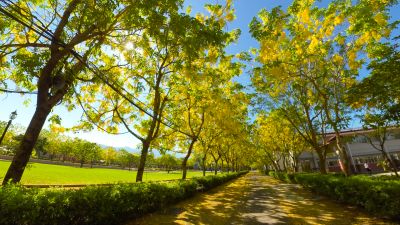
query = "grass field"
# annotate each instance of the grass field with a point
(38, 173)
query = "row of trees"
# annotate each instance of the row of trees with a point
(162, 75)
(277, 144)
(56, 147)
(308, 78)
(143, 66)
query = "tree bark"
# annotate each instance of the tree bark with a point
(142, 162)
(296, 167)
(344, 158)
(216, 168)
(21, 158)
(322, 162)
(184, 162)
(5, 131)
(204, 165)
(392, 164)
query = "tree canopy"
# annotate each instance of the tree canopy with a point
(166, 76)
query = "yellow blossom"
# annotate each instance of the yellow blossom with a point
(380, 19)
(338, 20)
(337, 59)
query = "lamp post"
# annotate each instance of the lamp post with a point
(13, 115)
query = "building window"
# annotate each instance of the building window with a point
(367, 159)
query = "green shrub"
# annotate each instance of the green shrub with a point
(211, 181)
(378, 195)
(96, 204)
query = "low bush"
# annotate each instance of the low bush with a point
(209, 182)
(380, 196)
(96, 204)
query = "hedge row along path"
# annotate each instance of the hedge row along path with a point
(257, 199)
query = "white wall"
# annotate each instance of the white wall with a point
(358, 149)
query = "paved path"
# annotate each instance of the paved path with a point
(256, 199)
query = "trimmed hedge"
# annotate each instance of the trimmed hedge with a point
(208, 182)
(380, 196)
(96, 204)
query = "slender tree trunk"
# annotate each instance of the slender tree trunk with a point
(344, 158)
(204, 165)
(322, 161)
(296, 165)
(184, 162)
(81, 162)
(274, 164)
(284, 164)
(142, 162)
(322, 166)
(216, 168)
(5, 131)
(392, 164)
(276, 167)
(21, 158)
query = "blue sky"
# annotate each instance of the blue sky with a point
(245, 11)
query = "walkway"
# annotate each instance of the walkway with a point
(256, 199)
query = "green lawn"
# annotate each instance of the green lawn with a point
(38, 173)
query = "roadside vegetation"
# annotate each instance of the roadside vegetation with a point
(98, 204)
(378, 195)
(309, 88)
(165, 76)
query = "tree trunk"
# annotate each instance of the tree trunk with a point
(81, 162)
(296, 166)
(284, 164)
(322, 161)
(344, 158)
(204, 165)
(142, 162)
(184, 162)
(5, 131)
(21, 158)
(322, 166)
(392, 164)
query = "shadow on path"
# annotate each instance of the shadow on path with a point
(256, 199)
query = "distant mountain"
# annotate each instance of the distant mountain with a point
(129, 149)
